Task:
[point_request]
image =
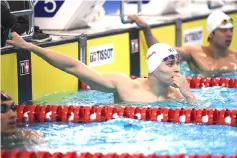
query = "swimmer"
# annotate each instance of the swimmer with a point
(212, 60)
(164, 81)
(13, 137)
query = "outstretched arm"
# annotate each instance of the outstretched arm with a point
(150, 39)
(100, 81)
(185, 52)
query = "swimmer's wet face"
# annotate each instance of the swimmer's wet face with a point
(8, 113)
(222, 37)
(8, 116)
(169, 67)
(220, 29)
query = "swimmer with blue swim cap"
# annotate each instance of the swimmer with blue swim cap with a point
(164, 81)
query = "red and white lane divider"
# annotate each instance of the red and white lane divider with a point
(44, 154)
(53, 113)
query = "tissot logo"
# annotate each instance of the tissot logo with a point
(101, 55)
(193, 36)
(24, 67)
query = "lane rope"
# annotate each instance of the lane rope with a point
(45, 154)
(85, 114)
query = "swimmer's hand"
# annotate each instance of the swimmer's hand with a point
(17, 41)
(138, 20)
(33, 136)
(25, 135)
(179, 81)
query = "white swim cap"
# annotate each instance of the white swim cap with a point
(156, 53)
(214, 20)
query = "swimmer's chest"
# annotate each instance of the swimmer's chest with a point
(140, 96)
(207, 62)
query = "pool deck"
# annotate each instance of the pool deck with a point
(113, 23)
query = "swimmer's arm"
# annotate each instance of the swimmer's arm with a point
(105, 82)
(97, 80)
(179, 81)
(32, 134)
(185, 52)
(190, 97)
(100, 81)
(150, 39)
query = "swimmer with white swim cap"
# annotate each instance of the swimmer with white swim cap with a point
(214, 59)
(163, 64)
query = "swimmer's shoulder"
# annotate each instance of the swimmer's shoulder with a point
(121, 79)
(116, 76)
(232, 51)
(139, 82)
(192, 49)
(200, 50)
(140, 79)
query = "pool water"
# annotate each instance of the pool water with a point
(135, 136)
(184, 69)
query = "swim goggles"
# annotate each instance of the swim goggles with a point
(5, 108)
(225, 21)
(172, 58)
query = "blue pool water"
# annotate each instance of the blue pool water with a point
(184, 69)
(135, 136)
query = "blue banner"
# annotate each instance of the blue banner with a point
(47, 8)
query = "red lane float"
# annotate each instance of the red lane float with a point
(44, 154)
(198, 82)
(85, 114)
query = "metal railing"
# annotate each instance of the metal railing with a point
(26, 12)
(30, 13)
(122, 13)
